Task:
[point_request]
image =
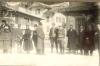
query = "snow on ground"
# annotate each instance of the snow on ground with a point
(48, 59)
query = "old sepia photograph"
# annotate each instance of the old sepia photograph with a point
(34, 33)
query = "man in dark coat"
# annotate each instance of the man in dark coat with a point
(35, 36)
(72, 39)
(81, 33)
(40, 39)
(89, 44)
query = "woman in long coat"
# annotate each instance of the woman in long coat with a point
(34, 37)
(5, 31)
(89, 44)
(40, 39)
(27, 41)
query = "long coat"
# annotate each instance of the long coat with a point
(72, 39)
(88, 40)
(35, 38)
(40, 38)
(80, 44)
(27, 44)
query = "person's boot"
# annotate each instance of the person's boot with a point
(91, 52)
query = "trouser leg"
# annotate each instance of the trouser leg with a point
(91, 52)
(43, 49)
(60, 46)
(35, 44)
(52, 42)
(56, 44)
(63, 46)
(86, 52)
(69, 50)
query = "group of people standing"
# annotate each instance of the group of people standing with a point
(18, 39)
(87, 39)
(37, 36)
(82, 40)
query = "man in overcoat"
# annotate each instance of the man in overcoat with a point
(81, 34)
(72, 39)
(40, 39)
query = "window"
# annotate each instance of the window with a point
(37, 11)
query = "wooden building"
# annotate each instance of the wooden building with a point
(18, 15)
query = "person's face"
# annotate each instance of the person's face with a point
(60, 27)
(53, 25)
(71, 27)
(81, 27)
(27, 27)
(35, 27)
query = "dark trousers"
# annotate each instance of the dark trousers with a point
(88, 52)
(53, 42)
(35, 44)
